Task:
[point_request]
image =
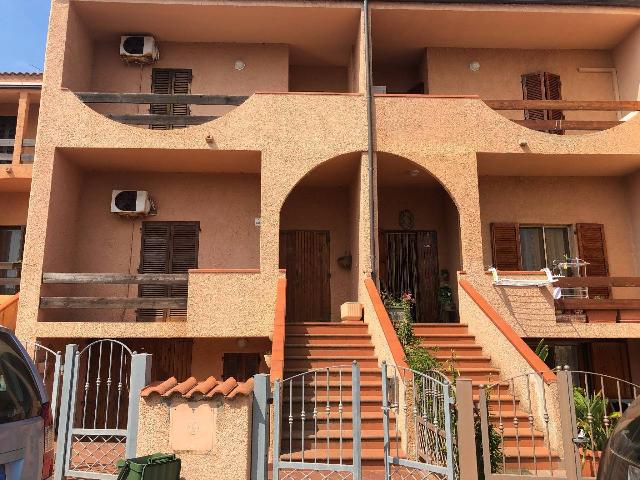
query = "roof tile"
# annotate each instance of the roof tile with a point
(194, 389)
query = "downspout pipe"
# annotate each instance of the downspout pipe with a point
(370, 144)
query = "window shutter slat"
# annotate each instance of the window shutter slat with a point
(553, 91)
(184, 256)
(505, 243)
(170, 81)
(592, 249)
(154, 258)
(533, 89)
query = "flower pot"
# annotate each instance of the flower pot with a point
(396, 314)
(351, 312)
(590, 462)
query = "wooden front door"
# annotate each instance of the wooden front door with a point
(612, 360)
(409, 263)
(305, 256)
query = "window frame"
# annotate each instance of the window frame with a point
(568, 228)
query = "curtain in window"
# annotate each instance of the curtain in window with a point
(532, 248)
(557, 243)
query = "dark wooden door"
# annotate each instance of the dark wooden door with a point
(611, 359)
(305, 256)
(167, 247)
(409, 263)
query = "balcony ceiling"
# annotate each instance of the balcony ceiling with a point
(394, 28)
(537, 165)
(164, 160)
(315, 35)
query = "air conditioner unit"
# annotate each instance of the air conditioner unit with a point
(139, 49)
(130, 203)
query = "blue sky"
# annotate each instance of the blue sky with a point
(23, 34)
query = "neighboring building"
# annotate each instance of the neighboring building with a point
(19, 104)
(281, 180)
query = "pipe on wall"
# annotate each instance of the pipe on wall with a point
(370, 143)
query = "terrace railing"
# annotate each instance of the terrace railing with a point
(566, 105)
(620, 309)
(160, 99)
(152, 303)
(7, 158)
(10, 280)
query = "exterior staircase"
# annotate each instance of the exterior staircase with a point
(453, 344)
(316, 345)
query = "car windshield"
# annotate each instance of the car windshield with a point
(625, 441)
(19, 396)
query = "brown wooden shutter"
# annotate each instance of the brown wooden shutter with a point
(592, 249)
(533, 89)
(170, 81)
(505, 244)
(240, 366)
(154, 258)
(611, 359)
(184, 256)
(167, 247)
(553, 91)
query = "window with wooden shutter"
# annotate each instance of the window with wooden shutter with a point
(167, 247)
(170, 81)
(542, 86)
(240, 366)
(592, 249)
(505, 244)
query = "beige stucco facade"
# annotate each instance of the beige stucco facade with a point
(293, 156)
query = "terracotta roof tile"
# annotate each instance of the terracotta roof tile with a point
(192, 388)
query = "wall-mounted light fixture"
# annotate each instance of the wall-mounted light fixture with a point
(239, 65)
(474, 66)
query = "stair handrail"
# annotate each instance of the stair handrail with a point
(277, 344)
(508, 332)
(390, 334)
(9, 312)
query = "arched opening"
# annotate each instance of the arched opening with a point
(418, 239)
(319, 244)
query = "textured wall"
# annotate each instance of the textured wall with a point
(232, 429)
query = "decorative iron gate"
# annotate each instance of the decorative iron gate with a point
(420, 444)
(99, 409)
(49, 365)
(316, 404)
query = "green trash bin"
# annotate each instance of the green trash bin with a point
(159, 466)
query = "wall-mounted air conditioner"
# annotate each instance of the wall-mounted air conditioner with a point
(130, 203)
(139, 49)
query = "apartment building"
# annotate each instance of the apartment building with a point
(193, 158)
(19, 104)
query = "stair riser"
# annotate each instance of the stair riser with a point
(347, 444)
(329, 328)
(334, 375)
(542, 463)
(346, 408)
(312, 363)
(330, 350)
(332, 340)
(461, 362)
(424, 330)
(334, 390)
(459, 350)
(466, 340)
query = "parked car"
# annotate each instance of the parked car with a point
(621, 459)
(26, 420)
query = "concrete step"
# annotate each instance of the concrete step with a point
(324, 350)
(351, 339)
(312, 328)
(345, 360)
(439, 339)
(425, 329)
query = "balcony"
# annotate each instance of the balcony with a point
(203, 302)
(25, 155)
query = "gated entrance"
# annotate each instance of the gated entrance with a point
(49, 365)
(420, 446)
(312, 413)
(99, 406)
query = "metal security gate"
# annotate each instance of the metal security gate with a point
(99, 409)
(49, 365)
(316, 431)
(418, 440)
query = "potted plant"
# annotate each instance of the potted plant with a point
(398, 308)
(593, 433)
